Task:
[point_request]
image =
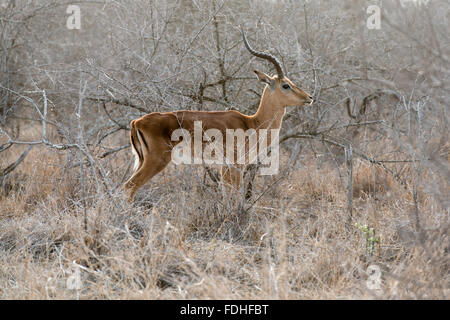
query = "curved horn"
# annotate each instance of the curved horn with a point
(266, 56)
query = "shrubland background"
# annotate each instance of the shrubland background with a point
(372, 150)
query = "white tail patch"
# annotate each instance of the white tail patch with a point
(137, 151)
(136, 159)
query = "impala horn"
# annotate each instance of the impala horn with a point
(266, 56)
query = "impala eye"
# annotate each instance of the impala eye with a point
(286, 86)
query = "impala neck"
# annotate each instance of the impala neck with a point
(270, 112)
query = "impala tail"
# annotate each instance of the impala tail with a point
(136, 145)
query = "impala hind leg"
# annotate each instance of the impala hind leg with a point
(153, 163)
(231, 178)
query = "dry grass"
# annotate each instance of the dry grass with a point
(178, 241)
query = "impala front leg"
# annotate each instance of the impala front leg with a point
(232, 182)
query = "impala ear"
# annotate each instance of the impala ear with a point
(264, 78)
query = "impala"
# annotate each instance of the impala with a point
(151, 134)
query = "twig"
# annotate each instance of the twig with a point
(14, 165)
(121, 126)
(123, 102)
(107, 153)
(349, 159)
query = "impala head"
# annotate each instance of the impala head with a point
(279, 88)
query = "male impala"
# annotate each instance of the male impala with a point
(151, 134)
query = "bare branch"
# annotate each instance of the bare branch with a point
(14, 165)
